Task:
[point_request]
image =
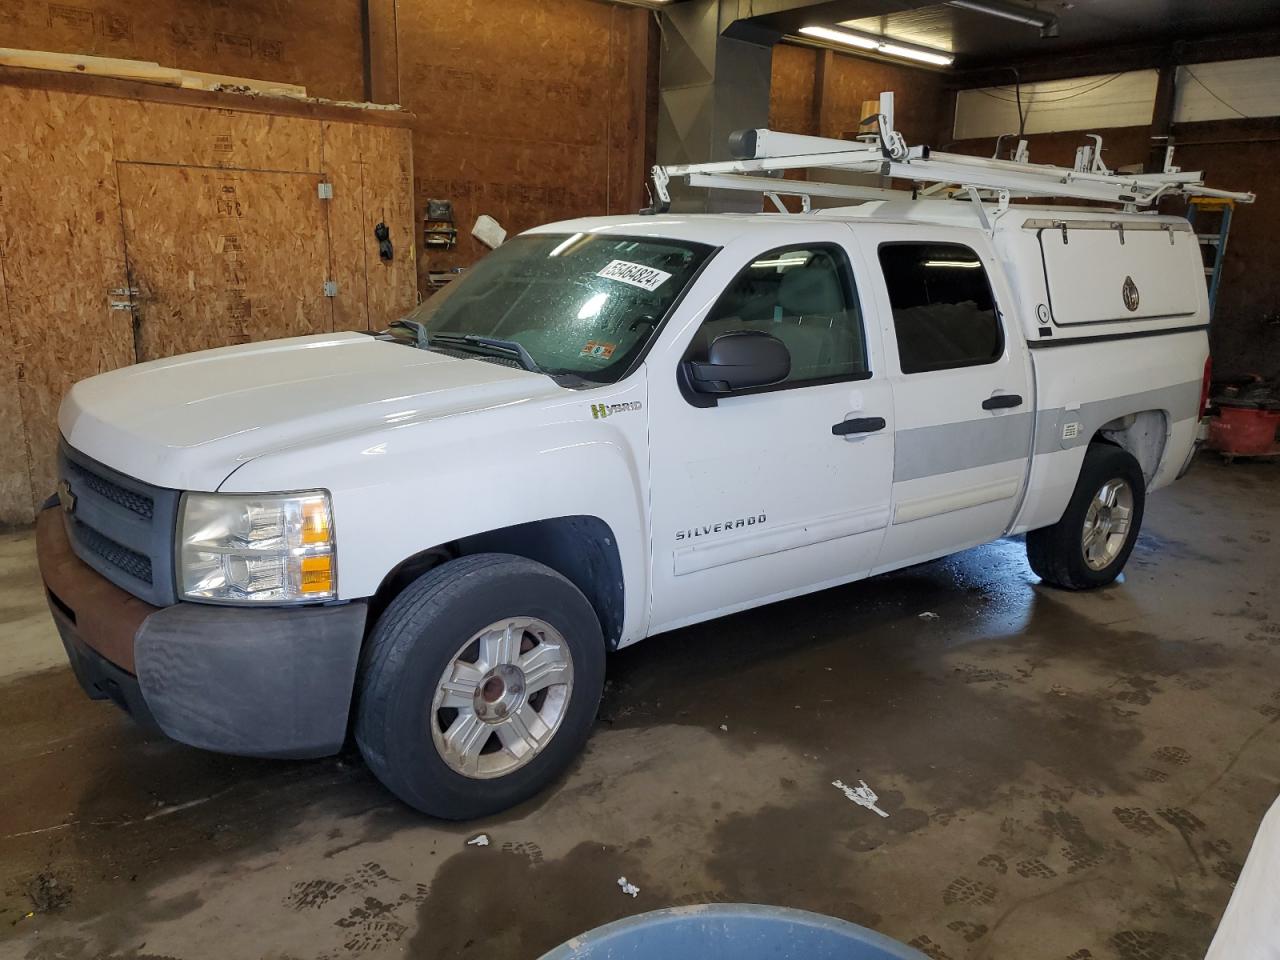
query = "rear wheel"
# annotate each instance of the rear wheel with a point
(481, 685)
(1089, 546)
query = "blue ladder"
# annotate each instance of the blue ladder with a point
(1215, 240)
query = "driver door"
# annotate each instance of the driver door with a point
(776, 490)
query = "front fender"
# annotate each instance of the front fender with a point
(405, 488)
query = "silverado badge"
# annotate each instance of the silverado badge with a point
(65, 497)
(1130, 293)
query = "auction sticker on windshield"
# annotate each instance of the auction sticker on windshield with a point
(598, 349)
(636, 274)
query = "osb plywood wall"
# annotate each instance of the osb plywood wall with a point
(209, 213)
(820, 93)
(533, 115)
(317, 44)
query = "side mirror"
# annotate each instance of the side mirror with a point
(739, 361)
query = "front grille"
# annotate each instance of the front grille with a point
(121, 527)
(140, 504)
(130, 561)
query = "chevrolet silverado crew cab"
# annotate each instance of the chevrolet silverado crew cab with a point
(429, 538)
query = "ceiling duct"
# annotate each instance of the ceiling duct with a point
(1047, 23)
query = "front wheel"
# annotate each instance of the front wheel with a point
(481, 685)
(1089, 546)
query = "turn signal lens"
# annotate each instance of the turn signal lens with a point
(315, 521)
(317, 575)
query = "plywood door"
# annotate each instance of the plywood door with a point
(372, 173)
(219, 256)
(62, 258)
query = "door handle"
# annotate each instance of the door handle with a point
(858, 425)
(1001, 401)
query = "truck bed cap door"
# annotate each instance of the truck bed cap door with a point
(1115, 272)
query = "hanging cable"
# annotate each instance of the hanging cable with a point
(1237, 112)
(1017, 89)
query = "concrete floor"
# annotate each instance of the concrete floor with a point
(1067, 777)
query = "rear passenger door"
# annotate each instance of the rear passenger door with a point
(964, 413)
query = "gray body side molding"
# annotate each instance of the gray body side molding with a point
(929, 451)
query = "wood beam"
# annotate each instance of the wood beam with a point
(1162, 113)
(638, 33)
(159, 93)
(381, 51)
(824, 94)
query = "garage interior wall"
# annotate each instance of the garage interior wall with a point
(317, 45)
(139, 221)
(542, 113)
(531, 114)
(820, 93)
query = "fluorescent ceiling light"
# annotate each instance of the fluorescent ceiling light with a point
(880, 45)
(893, 50)
(839, 36)
(965, 264)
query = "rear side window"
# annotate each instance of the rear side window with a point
(944, 313)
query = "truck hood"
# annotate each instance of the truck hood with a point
(189, 421)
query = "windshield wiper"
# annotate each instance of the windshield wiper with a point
(510, 347)
(420, 338)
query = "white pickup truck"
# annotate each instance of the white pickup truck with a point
(609, 428)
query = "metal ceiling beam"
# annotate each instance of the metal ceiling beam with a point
(1058, 64)
(779, 18)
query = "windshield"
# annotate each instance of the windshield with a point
(580, 304)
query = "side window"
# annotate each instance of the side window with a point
(804, 296)
(944, 313)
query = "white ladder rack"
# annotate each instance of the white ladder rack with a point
(770, 152)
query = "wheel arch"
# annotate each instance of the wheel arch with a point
(581, 548)
(1144, 435)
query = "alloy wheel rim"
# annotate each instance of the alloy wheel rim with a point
(502, 697)
(1106, 524)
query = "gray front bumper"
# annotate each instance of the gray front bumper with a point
(260, 683)
(274, 682)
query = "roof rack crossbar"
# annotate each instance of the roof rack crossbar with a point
(888, 156)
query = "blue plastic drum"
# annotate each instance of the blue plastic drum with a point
(737, 931)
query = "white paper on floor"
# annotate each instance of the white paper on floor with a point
(630, 889)
(481, 840)
(862, 795)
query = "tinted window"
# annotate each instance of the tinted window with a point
(943, 310)
(804, 297)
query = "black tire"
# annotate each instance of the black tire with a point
(1056, 553)
(418, 636)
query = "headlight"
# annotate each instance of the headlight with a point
(256, 548)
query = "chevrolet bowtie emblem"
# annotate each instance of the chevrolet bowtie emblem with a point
(66, 497)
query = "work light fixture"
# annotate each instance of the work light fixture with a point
(883, 45)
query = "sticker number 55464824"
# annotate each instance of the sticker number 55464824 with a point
(636, 274)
